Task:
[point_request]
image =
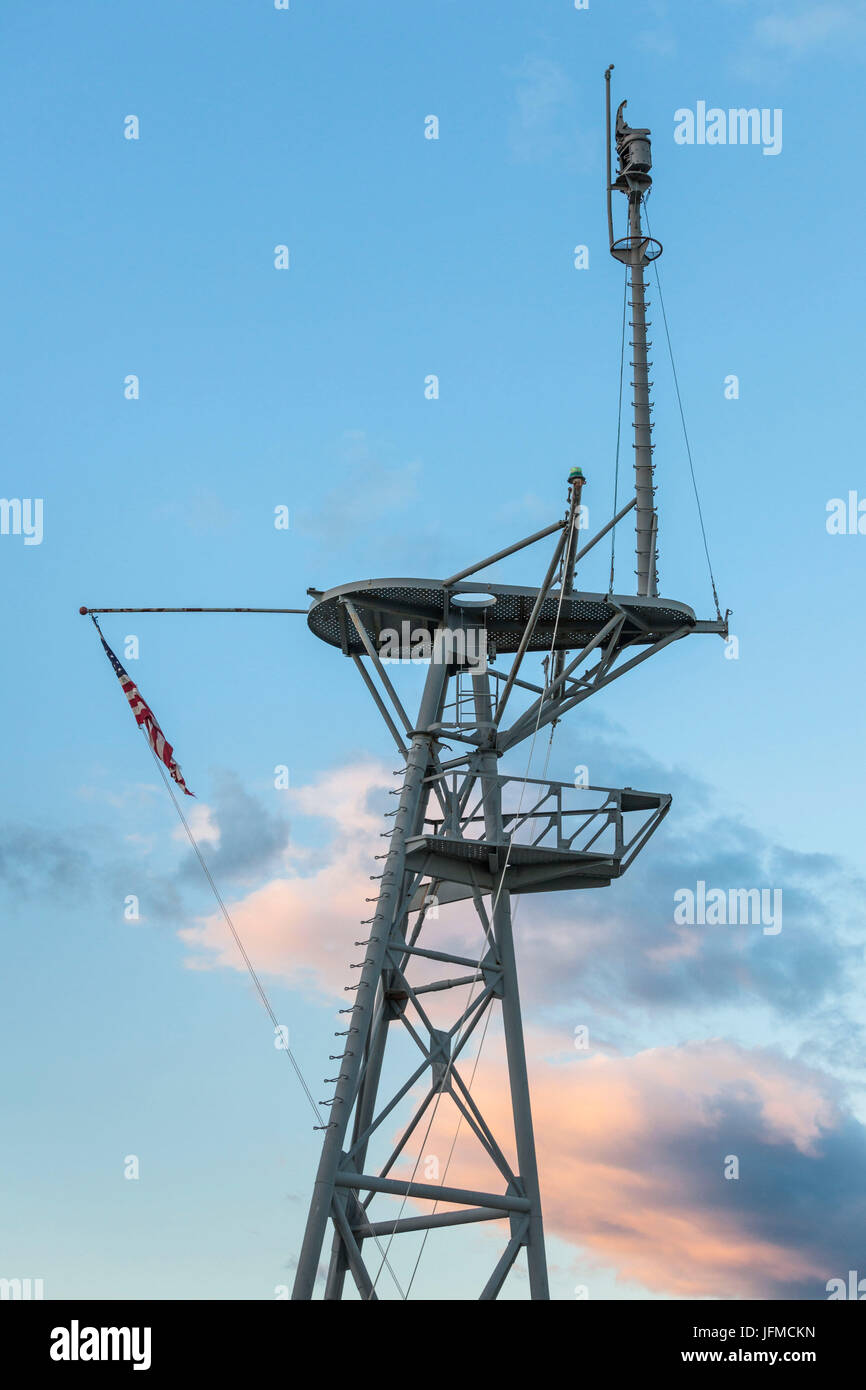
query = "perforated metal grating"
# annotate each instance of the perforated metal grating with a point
(478, 852)
(387, 603)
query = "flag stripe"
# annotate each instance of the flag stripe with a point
(145, 718)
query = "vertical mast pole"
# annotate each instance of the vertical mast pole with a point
(636, 251)
(607, 127)
(645, 518)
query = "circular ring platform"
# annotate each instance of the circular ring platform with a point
(624, 249)
(421, 604)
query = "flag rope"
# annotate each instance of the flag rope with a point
(147, 727)
(260, 989)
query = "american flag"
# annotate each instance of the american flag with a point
(144, 716)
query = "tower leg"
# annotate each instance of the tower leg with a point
(520, 1103)
(343, 1159)
(511, 1017)
(408, 819)
(339, 1266)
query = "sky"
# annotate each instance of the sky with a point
(304, 388)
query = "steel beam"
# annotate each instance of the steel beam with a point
(511, 1017)
(431, 1192)
(409, 815)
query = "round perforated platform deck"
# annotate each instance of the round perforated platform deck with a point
(387, 603)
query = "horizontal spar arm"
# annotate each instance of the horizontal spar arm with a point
(86, 611)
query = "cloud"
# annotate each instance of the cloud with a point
(654, 41)
(633, 1159)
(541, 91)
(546, 120)
(32, 860)
(202, 511)
(35, 863)
(624, 944)
(601, 955)
(794, 29)
(364, 491)
(617, 950)
(773, 31)
(632, 1156)
(810, 27)
(633, 1142)
(200, 819)
(244, 838)
(662, 39)
(531, 507)
(301, 926)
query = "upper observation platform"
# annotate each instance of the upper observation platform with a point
(563, 623)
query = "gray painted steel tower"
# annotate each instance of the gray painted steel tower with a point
(466, 834)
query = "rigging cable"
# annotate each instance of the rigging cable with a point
(91, 612)
(253, 976)
(231, 926)
(618, 426)
(683, 422)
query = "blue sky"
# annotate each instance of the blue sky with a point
(306, 388)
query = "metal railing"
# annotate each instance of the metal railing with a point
(538, 812)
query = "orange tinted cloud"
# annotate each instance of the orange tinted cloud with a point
(631, 1149)
(302, 926)
(631, 1155)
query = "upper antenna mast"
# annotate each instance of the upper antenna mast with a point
(636, 250)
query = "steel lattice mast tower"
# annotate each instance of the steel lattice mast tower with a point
(465, 833)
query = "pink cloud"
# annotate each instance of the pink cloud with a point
(623, 1145)
(617, 1136)
(302, 926)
